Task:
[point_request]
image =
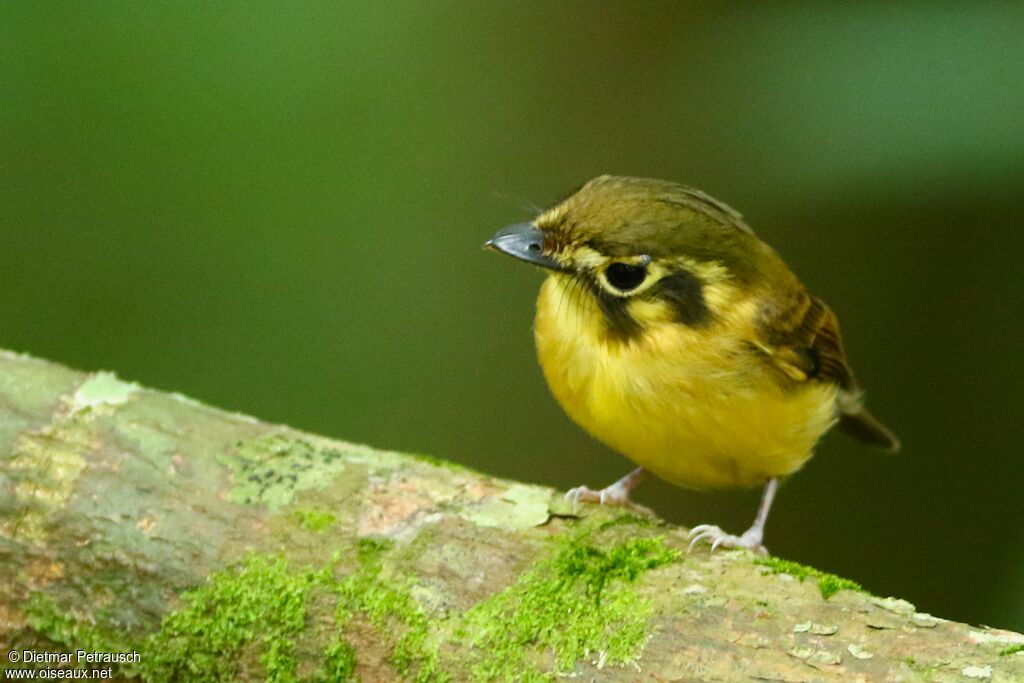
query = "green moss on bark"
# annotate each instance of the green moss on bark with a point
(828, 584)
(314, 519)
(261, 611)
(577, 605)
(47, 618)
(258, 609)
(391, 608)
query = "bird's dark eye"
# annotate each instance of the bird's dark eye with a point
(625, 277)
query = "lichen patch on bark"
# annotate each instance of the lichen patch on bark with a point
(101, 389)
(270, 469)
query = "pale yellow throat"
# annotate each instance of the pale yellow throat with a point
(694, 406)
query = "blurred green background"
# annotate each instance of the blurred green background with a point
(278, 209)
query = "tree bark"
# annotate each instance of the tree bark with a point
(197, 544)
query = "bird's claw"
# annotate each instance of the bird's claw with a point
(750, 540)
(575, 494)
(616, 494)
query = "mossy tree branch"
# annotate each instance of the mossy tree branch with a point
(221, 548)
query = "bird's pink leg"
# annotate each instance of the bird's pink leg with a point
(752, 538)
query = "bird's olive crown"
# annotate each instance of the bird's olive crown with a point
(642, 239)
(618, 228)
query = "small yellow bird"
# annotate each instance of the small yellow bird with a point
(672, 334)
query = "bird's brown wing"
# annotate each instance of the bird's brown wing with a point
(801, 337)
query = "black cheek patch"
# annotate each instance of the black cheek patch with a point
(615, 309)
(685, 294)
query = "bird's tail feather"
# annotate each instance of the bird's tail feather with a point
(863, 426)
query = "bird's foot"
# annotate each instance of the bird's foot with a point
(616, 494)
(750, 540)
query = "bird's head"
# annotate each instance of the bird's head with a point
(645, 252)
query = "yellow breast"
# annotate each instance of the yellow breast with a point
(695, 407)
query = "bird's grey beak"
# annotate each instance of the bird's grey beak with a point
(524, 242)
